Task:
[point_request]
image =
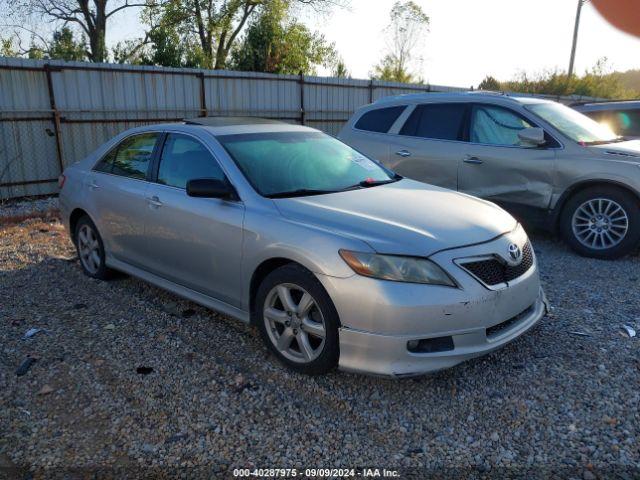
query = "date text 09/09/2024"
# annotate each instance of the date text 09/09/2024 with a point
(316, 472)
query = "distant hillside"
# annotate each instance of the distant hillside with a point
(629, 80)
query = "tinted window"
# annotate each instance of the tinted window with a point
(131, 158)
(286, 162)
(437, 121)
(622, 122)
(493, 125)
(184, 158)
(379, 120)
(106, 164)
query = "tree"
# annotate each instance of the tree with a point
(7, 48)
(340, 69)
(405, 34)
(597, 82)
(489, 83)
(276, 43)
(213, 26)
(91, 16)
(65, 47)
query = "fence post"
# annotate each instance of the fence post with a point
(56, 116)
(302, 111)
(203, 98)
(371, 88)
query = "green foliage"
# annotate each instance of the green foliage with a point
(489, 83)
(276, 43)
(340, 69)
(597, 82)
(405, 35)
(65, 47)
(7, 48)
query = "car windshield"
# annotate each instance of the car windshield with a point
(573, 124)
(288, 164)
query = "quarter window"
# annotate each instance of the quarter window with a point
(131, 157)
(379, 120)
(439, 121)
(491, 125)
(185, 158)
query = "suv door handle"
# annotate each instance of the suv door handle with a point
(473, 160)
(404, 153)
(154, 202)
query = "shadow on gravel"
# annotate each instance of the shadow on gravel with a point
(214, 396)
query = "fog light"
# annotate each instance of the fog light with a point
(431, 345)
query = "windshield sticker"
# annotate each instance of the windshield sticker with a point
(364, 162)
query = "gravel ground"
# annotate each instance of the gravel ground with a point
(555, 402)
(25, 207)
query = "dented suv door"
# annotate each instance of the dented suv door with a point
(498, 167)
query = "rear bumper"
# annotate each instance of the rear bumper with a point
(388, 355)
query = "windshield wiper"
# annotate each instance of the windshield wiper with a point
(373, 183)
(605, 142)
(301, 192)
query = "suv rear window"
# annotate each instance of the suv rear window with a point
(439, 121)
(379, 120)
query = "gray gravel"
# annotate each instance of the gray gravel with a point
(553, 402)
(15, 208)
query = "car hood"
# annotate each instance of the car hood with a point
(404, 218)
(629, 150)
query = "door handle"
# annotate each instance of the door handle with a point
(154, 202)
(473, 160)
(404, 153)
(93, 185)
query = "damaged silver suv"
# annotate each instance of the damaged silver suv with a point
(546, 163)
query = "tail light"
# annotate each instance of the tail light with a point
(61, 180)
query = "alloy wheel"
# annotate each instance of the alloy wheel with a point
(294, 323)
(600, 223)
(89, 249)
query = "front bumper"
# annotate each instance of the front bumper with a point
(387, 355)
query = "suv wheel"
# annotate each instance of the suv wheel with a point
(91, 249)
(602, 222)
(297, 320)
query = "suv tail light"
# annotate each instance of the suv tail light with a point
(61, 180)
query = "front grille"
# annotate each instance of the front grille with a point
(493, 272)
(499, 329)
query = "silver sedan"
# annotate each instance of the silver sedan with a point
(337, 260)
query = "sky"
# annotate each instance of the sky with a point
(470, 39)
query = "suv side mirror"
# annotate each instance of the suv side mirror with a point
(532, 136)
(210, 188)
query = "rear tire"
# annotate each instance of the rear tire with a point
(602, 222)
(90, 250)
(297, 320)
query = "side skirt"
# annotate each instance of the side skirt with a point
(189, 294)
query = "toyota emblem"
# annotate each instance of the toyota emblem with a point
(515, 253)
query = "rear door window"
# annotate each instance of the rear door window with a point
(438, 121)
(379, 120)
(131, 158)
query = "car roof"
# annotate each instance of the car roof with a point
(227, 126)
(230, 121)
(474, 95)
(614, 105)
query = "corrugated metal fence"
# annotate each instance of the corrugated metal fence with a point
(53, 113)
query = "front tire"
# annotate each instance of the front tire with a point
(297, 320)
(90, 249)
(602, 222)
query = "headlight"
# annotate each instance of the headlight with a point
(396, 268)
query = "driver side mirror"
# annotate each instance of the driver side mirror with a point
(210, 188)
(532, 136)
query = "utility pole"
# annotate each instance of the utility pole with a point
(575, 36)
